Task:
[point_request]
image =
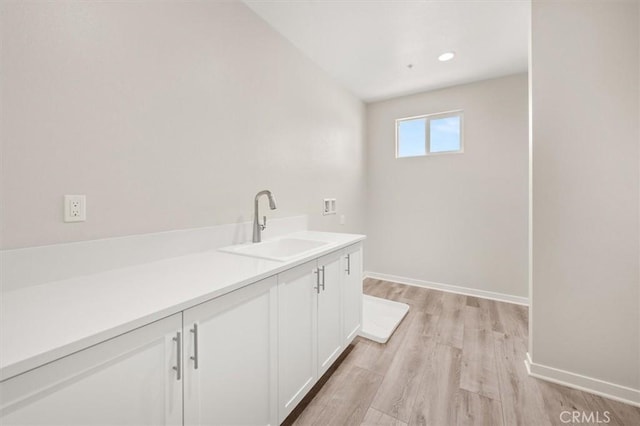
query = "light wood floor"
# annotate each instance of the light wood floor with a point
(454, 360)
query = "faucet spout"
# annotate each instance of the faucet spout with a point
(257, 226)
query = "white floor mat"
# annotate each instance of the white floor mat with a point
(380, 317)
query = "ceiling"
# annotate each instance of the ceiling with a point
(367, 45)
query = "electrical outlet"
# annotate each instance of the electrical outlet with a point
(75, 208)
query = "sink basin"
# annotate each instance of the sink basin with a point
(283, 249)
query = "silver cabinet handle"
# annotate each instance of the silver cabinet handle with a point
(178, 367)
(322, 278)
(317, 287)
(194, 330)
(348, 270)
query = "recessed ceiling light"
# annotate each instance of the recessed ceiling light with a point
(447, 56)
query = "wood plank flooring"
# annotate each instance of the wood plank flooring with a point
(454, 360)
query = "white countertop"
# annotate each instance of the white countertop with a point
(44, 322)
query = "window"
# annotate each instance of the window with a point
(429, 134)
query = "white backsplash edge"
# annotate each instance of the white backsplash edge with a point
(37, 265)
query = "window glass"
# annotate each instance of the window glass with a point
(411, 138)
(444, 134)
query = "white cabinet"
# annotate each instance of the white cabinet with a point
(310, 325)
(128, 380)
(231, 359)
(245, 358)
(297, 335)
(352, 292)
(329, 293)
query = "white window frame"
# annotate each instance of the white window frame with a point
(427, 132)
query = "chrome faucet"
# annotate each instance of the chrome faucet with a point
(257, 226)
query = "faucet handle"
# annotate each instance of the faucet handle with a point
(264, 223)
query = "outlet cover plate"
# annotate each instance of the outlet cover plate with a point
(75, 208)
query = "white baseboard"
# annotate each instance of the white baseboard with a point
(483, 294)
(583, 383)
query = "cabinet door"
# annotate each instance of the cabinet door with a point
(128, 380)
(329, 311)
(231, 358)
(297, 336)
(352, 292)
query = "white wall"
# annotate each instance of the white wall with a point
(585, 258)
(167, 115)
(457, 219)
